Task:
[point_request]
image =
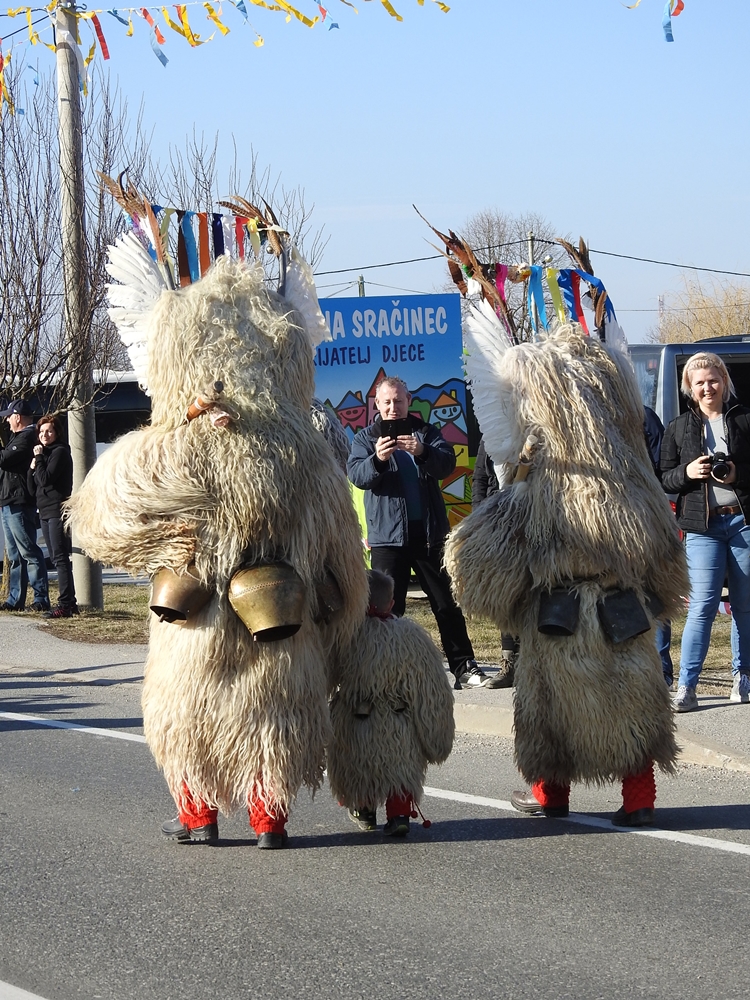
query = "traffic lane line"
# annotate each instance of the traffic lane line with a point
(503, 805)
(583, 819)
(8, 992)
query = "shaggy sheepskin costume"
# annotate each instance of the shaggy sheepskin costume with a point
(230, 720)
(591, 518)
(392, 715)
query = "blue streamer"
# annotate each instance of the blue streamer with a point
(566, 287)
(191, 249)
(598, 284)
(332, 25)
(240, 5)
(667, 22)
(156, 48)
(536, 295)
(120, 19)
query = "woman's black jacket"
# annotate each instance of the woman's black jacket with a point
(51, 479)
(683, 442)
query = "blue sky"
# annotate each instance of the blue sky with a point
(575, 109)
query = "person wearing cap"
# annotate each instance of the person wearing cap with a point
(18, 512)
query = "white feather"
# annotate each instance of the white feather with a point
(614, 336)
(140, 284)
(301, 293)
(487, 344)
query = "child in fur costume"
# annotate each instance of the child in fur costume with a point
(231, 721)
(589, 525)
(392, 716)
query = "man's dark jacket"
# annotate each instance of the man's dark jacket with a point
(385, 504)
(51, 479)
(683, 442)
(15, 460)
(484, 482)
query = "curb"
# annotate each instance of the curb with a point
(485, 720)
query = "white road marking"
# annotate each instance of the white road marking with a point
(436, 793)
(8, 992)
(596, 821)
(115, 734)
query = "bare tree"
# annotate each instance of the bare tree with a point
(716, 309)
(500, 238)
(191, 180)
(34, 351)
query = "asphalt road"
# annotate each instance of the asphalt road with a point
(487, 903)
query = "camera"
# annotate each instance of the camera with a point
(720, 467)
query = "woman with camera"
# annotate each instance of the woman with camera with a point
(50, 480)
(705, 459)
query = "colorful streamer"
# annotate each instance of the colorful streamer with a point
(535, 297)
(100, 36)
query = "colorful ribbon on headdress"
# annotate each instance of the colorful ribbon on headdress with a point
(535, 296)
(554, 292)
(570, 284)
(598, 284)
(217, 232)
(204, 252)
(239, 232)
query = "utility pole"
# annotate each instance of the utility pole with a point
(81, 424)
(361, 286)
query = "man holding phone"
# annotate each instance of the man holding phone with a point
(398, 461)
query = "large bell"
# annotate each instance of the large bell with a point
(177, 597)
(621, 615)
(558, 611)
(270, 600)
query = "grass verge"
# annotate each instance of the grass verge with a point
(126, 617)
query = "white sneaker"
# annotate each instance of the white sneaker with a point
(740, 688)
(686, 700)
(473, 677)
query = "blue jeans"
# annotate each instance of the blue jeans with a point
(24, 555)
(663, 642)
(723, 550)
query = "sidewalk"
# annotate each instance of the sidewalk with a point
(717, 735)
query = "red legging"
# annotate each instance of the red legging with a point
(194, 813)
(638, 791)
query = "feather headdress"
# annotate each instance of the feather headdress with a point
(141, 277)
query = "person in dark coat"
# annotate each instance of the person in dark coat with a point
(50, 478)
(406, 519)
(713, 510)
(18, 511)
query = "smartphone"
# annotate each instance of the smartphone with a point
(395, 428)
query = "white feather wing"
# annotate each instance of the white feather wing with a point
(301, 293)
(139, 284)
(487, 344)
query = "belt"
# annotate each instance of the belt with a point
(735, 509)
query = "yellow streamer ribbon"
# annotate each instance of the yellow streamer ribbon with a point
(4, 95)
(213, 16)
(33, 36)
(129, 32)
(172, 24)
(195, 40)
(554, 292)
(300, 17)
(390, 10)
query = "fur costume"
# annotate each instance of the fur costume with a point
(392, 714)
(229, 719)
(591, 516)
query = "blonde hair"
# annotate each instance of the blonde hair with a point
(704, 359)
